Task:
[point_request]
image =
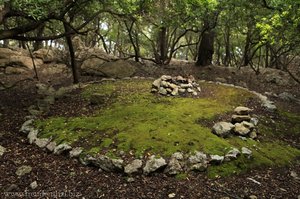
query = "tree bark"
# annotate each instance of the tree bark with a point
(206, 48)
(75, 71)
(39, 44)
(227, 58)
(246, 59)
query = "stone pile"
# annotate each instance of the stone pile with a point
(172, 86)
(241, 124)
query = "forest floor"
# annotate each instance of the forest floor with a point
(62, 177)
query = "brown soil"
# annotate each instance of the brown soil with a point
(59, 176)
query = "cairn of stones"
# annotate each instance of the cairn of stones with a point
(176, 86)
(242, 124)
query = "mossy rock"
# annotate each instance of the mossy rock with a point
(141, 123)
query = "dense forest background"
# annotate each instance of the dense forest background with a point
(256, 33)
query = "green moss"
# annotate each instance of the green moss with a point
(144, 123)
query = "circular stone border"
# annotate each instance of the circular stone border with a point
(177, 163)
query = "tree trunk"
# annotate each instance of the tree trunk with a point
(39, 44)
(267, 56)
(206, 49)
(227, 58)
(75, 71)
(246, 58)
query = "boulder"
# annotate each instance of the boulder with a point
(241, 110)
(240, 129)
(222, 129)
(42, 142)
(240, 118)
(199, 167)
(216, 159)
(133, 167)
(174, 167)
(47, 55)
(75, 152)
(113, 69)
(27, 126)
(62, 148)
(247, 152)
(198, 157)
(14, 70)
(232, 154)
(107, 164)
(51, 146)
(154, 164)
(32, 136)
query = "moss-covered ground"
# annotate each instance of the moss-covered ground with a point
(141, 123)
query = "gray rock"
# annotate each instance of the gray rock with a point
(171, 195)
(42, 142)
(216, 159)
(198, 89)
(254, 121)
(181, 90)
(62, 148)
(198, 157)
(162, 91)
(175, 91)
(232, 154)
(166, 77)
(186, 86)
(247, 152)
(241, 110)
(252, 197)
(133, 167)
(253, 134)
(240, 129)
(130, 179)
(51, 146)
(156, 83)
(32, 136)
(27, 126)
(23, 170)
(2, 150)
(153, 164)
(177, 155)
(221, 79)
(33, 185)
(164, 84)
(243, 138)
(189, 90)
(288, 97)
(269, 106)
(199, 167)
(240, 118)
(194, 93)
(172, 86)
(75, 152)
(222, 129)
(174, 167)
(107, 164)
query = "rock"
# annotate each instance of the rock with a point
(240, 118)
(172, 86)
(164, 84)
(23, 170)
(156, 83)
(177, 155)
(153, 164)
(12, 187)
(189, 90)
(47, 55)
(117, 69)
(240, 129)
(171, 195)
(98, 99)
(198, 157)
(232, 154)
(2, 150)
(294, 175)
(133, 167)
(27, 126)
(254, 121)
(75, 152)
(247, 152)
(14, 70)
(222, 129)
(199, 167)
(253, 134)
(221, 79)
(107, 164)
(288, 97)
(42, 142)
(174, 167)
(130, 179)
(216, 159)
(243, 138)
(252, 197)
(181, 90)
(32, 136)
(62, 148)
(45, 90)
(269, 106)
(241, 110)
(162, 91)
(51, 146)
(175, 91)
(166, 77)
(33, 185)
(185, 86)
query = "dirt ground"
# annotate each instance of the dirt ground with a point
(62, 177)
